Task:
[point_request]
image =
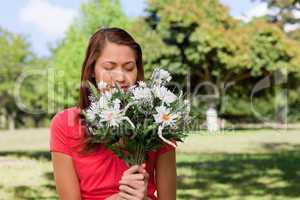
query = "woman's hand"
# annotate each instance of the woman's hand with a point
(133, 184)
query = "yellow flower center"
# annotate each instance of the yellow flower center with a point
(165, 117)
(110, 115)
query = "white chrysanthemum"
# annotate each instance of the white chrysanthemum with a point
(131, 88)
(117, 104)
(103, 102)
(94, 107)
(142, 84)
(164, 116)
(108, 94)
(91, 116)
(92, 110)
(142, 93)
(164, 94)
(101, 85)
(112, 116)
(160, 75)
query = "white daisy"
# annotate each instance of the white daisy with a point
(164, 116)
(101, 85)
(103, 102)
(108, 94)
(91, 116)
(131, 88)
(142, 93)
(142, 84)
(117, 104)
(160, 75)
(112, 116)
(92, 110)
(164, 94)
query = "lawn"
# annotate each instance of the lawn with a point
(235, 165)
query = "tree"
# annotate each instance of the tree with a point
(200, 38)
(15, 56)
(68, 56)
(285, 14)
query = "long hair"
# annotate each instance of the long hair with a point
(95, 47)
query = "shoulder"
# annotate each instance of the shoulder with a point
(66, 115)
(66, 120)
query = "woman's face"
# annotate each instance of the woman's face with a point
(116, 65)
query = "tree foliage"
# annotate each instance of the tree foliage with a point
(16, 59)
(68, 56)
(201, 37)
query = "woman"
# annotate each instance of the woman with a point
(114, 57)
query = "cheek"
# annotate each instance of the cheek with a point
(102, 75)
(133, 77)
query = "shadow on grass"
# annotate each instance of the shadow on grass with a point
(30, 193)
(221, 176)
(43, 191)
(38, 155)
(212, 176)
(38, 192)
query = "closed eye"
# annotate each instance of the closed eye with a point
(108, 67)
(131, 68)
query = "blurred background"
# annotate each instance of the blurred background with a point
(238, 61)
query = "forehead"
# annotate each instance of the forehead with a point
(117, 53)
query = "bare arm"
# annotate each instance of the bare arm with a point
(67, 184)
(166, 176)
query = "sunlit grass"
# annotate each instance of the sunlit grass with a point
(244, 165)
(239, 176)
(26, 178)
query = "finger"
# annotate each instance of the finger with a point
(134, 184)
(144, 171)
(136, 193)
(146, 175)
(144, 165)
(141, 169)
(133, 177)
(131, 170)
(127, 196)
(127, 189)
(120, 197)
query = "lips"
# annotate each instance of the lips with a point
(124, 87)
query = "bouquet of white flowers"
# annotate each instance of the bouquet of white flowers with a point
(144, 117)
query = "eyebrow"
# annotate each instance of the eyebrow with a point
(114, 63)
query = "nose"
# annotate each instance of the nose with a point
(119, 76)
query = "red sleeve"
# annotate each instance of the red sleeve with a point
(165, 148)
(58, 137)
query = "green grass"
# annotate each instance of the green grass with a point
(26, 177)
(240, 165)
(239, 176)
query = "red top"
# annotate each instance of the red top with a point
(98, 172)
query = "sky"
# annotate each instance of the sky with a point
(44, 22)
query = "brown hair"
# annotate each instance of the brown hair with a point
(96, 45)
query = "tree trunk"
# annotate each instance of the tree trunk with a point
(212, 118)
(2, 121)
(281, 105)
(11, 121)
